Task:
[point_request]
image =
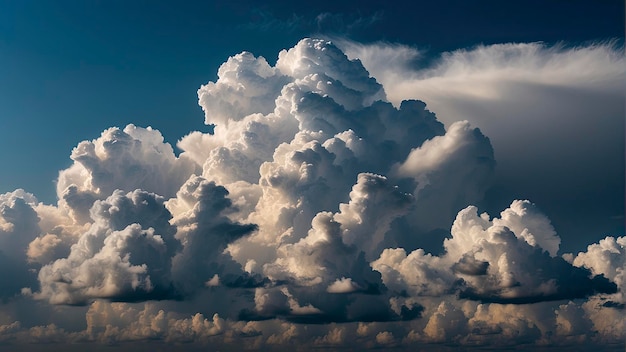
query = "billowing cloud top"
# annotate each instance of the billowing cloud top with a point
(311, 203)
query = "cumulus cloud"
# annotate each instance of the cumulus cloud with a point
(495, 260)
(519, 270)
(204, 231)
(125, 159)
(608, 258)
(126, 251)
(315, 201)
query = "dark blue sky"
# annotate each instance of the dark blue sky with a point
(69, 69)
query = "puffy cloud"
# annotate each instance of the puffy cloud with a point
(336, 336)
(333, 257)
(115, 322)
(313, 202)
(518, 270)
(245, 85)
(486, 260)
(418, 273)
(366, 219)
(125, 254)
(325, 69)
(385, 338)
(58, 232)
(607, 257)
(607, 318)
(446, 324)
(125, 159)
(571, 322)
(18, 222)
(204, 231)
(511, 324)
(135, 250)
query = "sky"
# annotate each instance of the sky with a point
(336, 175)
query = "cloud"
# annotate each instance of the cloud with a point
(608, 258)
(126, 159)
(314, 202)
(136, 250)
(550, 108)
(487, 261)
(343, 285)
(605, 257)
(204, 232)
(125, 255)
(417, 274)
(245, 85)
(479, 70)
(520, 270)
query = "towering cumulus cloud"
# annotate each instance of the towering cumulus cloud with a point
(316, 212)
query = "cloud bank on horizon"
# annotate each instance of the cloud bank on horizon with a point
(309, 216)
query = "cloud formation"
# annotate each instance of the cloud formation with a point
(554, 108)
(314, 202)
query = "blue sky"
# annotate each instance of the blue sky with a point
(318, 203)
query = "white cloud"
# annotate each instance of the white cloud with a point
(607, 257)
(518, 267)
(316, 202)
(126, 253)
(245, 85)
(479, 72)
(128, 159)
(417, 274)
(554, 115)
(204, 231)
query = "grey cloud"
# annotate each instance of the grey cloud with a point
(468, 265)
(204, 231)
(18, 226)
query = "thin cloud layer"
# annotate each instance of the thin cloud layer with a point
(314, 202)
